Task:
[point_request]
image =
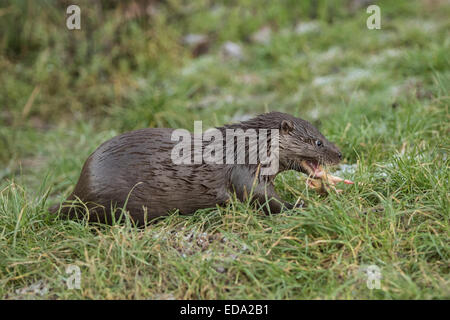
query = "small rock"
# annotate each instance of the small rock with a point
(220, 269)
(232, 50)
(194, 39)
(324, 80)
(307, 27)
(262, 36)
(198, 42)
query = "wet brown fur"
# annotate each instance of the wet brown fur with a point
(134, 170)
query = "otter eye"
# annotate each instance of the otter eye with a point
(319, 143)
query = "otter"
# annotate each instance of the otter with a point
(134, 173)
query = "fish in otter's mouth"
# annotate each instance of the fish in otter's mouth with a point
(319, 178)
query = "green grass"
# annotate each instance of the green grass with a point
(381, 95)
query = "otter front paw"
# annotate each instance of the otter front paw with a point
(299, 204)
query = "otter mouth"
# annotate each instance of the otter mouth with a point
(319, 178)
(312, 168)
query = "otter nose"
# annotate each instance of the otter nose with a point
(340, 156)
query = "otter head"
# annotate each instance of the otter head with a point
(304, 148)
(301, 146)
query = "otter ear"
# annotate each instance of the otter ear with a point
(286, 126)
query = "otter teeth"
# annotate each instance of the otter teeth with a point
(313, 169)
